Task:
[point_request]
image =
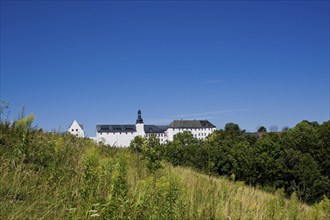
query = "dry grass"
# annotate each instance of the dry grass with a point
(220, 198)
(80, 180)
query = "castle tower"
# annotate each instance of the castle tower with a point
(140, 125)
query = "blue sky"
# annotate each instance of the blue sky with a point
(248, 62)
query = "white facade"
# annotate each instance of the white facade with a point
(140, 129)
(122, 135)
(116, 139)
(161, 136)
(76, 129)
(200, 133)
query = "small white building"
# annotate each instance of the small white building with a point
(76, 129)
(122, 135)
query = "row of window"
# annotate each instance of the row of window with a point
(201, 134)
(73, 129)
(157, 134)
(117, 132)
(193, 129)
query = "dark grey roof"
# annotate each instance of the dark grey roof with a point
(115, 128)
(82, 126)
(153, 129)
(139, 119)
(130, 128)
(164, 127)
(191, 124)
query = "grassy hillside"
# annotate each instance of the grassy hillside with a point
(53, 176)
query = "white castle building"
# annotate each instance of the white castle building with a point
(122, 135)
(76, 129)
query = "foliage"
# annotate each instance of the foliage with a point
(185, 150)
(45, 175)
(150, 149)
(116, 205)
(297, 160)
(136, 144)
(262, 129)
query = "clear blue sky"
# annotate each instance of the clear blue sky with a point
(248, 62)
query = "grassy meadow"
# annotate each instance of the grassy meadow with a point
(58, 176)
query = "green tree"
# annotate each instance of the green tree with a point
(268, 169)
(303, 137)
(233, 129)
(306, 172)
(221, 156)
(262, 129)
(185, 150)
(152, 153)
(322, 154)
(242, 155)
(136, 144)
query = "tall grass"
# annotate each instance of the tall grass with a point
(219, 198)
(58, 176)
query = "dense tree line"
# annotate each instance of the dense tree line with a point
(297, 159)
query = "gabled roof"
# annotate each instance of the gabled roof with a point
(75, 122)
(115, 128)
(153, 129)
(191, 124)
(164, 127)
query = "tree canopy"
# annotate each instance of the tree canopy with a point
(297, 160)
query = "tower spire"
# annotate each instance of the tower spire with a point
(139, 119)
